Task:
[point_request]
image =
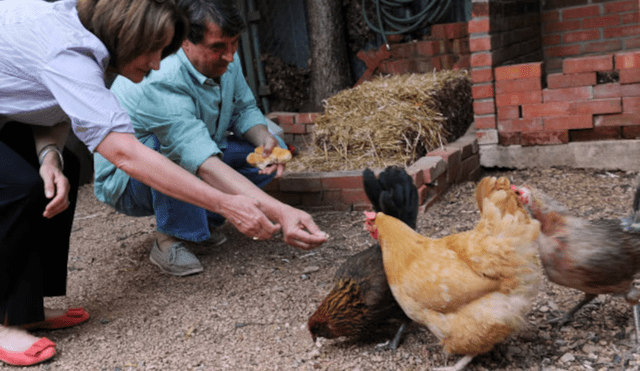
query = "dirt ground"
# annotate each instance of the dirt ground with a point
(249, 309)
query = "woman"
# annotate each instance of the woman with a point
(57, 62)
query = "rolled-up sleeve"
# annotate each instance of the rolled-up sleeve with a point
(246, 114)
(169, 112)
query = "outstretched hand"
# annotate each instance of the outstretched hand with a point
(300, 230)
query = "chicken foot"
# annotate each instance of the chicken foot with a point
(395, 342)
(568, 317)
(459, 366)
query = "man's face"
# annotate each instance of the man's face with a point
(212, 55)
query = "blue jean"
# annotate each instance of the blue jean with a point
(181, 219)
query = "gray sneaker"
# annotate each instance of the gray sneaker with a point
(178, 261)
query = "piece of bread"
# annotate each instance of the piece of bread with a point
(278, 156)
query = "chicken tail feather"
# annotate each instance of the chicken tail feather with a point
(393, 193)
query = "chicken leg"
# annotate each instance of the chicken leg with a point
(568, 317)
(459, 366)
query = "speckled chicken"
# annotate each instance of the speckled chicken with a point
(361, 305)
(471, 289)
(593, 256)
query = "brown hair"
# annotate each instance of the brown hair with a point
(130, 28)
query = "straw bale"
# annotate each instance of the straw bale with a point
(391, 120)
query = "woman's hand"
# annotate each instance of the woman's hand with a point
(56, 185)
(300, 230)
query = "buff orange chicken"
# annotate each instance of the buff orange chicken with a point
(473, 289)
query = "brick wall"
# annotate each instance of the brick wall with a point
(588, 27)
(446, 48)
(583, 87)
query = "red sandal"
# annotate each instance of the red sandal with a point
(40, 351)
(74, 316)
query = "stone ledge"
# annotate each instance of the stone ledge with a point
(605, 154)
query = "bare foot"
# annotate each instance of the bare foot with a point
(15, 339)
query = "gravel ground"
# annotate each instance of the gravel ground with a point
(249, 309)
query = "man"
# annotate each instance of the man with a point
(199, 112)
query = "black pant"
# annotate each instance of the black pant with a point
(33, 249)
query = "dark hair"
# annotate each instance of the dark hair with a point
(220, 12)
(130, 28)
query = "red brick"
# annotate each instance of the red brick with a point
(483, 107)
(456, 30)
(546, 109)
(354, 196)
(631, 132)
(598, 106)
(485, 121)
(464, 63)
(481, 59)
(397, 67)
(581, 12)
(293, 128)
(630, 18)
(438, 32)
(480, 44)
(480, 9)
(520, 125)
(602, 47)
(632, 43)
(588, 64)
(481, 75)
(514, 99)
(424, 65)
(623, 31)
(561, 80)
(480, 91)
(512, 86)
(563, 51)
(373, 57)
(627, 60)
(612, 90)
(619, 119)
(545, 137)
(508, 113)
(403, 51)
(597, 133)
(605, 21)
(282, 117)
(341, 180)
(567, 94)
(452, 156)
(519, 71)
(580, 36)
(429, 48)
(469, 166)
(630, 90)
(561, 26)
(630, 105)
(630, 75)
(550, 16)
(509, 138)
(551, 40)
(460, 46)
(568, 122)
(479, 25)
(621, 6)
(306, 118)
(289, 198)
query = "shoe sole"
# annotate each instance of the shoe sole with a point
(219, 242)
(181, 274)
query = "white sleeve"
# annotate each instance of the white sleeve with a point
(77, 83)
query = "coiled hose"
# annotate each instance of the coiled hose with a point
(390, 24)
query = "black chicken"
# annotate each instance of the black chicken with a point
(360, 303)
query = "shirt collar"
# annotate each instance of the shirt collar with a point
(202, 79)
